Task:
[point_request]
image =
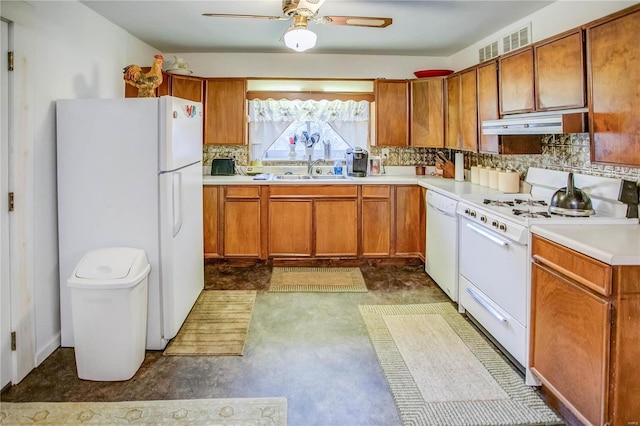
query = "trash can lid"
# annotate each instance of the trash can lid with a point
(112, 266)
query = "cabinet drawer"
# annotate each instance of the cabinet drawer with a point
(376, 191)
(319, 191)
(242, 192)
(583, 269)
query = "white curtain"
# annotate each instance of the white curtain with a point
(269, 118)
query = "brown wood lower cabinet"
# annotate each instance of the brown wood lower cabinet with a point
(376, 220)
(242, 221)
(336, 227)
(314, 221)
(585, 333)
(210, 222)
(408, 204)
(290, 228)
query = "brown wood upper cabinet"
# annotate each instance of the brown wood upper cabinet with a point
(585, 333)
(614, 79)
(392, 112)
(488, 108)
(560, 72)
(546, 76)
(225, 111)
(180, 86)
(516, 82)
(462, 111)
(427, 112)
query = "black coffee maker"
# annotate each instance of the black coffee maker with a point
(357, 160)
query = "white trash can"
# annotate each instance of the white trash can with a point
(109, 289)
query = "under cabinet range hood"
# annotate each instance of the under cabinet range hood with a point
(538, 123)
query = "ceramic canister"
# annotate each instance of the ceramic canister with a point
(475, 178)
(493, 178)
(509, 181)
(483, 176)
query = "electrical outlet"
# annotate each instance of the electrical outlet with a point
(385, 153)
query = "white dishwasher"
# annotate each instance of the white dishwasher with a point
(442, 242)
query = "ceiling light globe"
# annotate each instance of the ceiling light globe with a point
(300, 39)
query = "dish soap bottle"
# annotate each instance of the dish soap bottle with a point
(337, 167)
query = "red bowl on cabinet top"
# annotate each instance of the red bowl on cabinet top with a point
(432, 73)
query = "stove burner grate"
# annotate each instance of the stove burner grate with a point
(535, 203)
(498, 203)
(529, 213)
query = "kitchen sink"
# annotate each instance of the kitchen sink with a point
(291, 177)
(329, 177)
(307, 177)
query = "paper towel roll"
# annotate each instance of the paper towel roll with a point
(459, 159)
(474, 175)
(483, 176)
(509, 181)
(493, 178)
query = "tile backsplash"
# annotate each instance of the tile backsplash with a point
(569, 152)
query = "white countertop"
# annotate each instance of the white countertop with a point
(611, 244)
(447, 186)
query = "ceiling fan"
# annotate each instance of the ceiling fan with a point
(298, 36)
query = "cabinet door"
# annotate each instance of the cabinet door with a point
(290, 225)
(488, 104)
(560, 73)
(407, 213)
(189, 88)
(516, 82)
(336, 227)
(427, 113)
(453, 135)
(570, 329)
(225, 111)
(242, 228)
(392, 113)
(376, 227)
(210, 220)
(614, 61)
(469, 111)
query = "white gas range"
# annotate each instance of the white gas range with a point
(493, 255)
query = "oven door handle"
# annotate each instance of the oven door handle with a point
(486, 305)
(485, 234)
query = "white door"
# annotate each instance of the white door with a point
(182, 268)
(5, 295)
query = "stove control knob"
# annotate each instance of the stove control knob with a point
(473, 213)
(502, 227)
(467, 211)
(494, 223)
(483, 219)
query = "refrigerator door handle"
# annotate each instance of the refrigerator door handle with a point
(177, 202)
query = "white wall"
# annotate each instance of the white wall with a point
(554, 19)
(63, 50)
(307, 65)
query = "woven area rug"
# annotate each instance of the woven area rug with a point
(441, 371)
(235, 411)
(217, 324)
(327, 280)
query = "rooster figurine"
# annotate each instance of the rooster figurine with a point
(145, 82)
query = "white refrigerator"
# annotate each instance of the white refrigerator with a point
(130, 175)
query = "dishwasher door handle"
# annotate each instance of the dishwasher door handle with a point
(453, 215)
(487, 235)
(486, 305)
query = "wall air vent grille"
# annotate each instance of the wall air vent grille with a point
(487, 52)
(517, 39)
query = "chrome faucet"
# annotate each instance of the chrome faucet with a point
(311, 163)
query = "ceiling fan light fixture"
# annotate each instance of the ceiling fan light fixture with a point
(300, 38)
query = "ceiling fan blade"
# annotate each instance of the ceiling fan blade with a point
(357, 21)
(233, 15)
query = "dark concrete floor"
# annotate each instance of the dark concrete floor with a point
(311, 348)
